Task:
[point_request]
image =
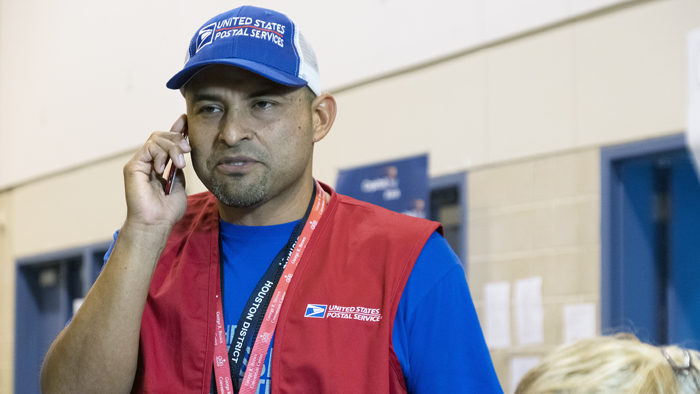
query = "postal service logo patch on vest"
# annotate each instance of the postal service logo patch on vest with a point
(316, 310)
(343, 312)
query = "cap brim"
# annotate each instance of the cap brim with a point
(270, 73)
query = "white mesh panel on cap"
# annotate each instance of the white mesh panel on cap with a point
(308, 66)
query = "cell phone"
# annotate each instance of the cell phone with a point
(168, 188)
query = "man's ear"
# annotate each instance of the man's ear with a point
(324, 109)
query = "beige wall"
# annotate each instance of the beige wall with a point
(73, 209)
(616, 77)
(537, 217)
(525, 117)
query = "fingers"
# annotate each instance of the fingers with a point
(179, 124)
(160, 148)
(163, 146)
(180, 127)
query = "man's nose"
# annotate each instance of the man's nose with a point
(235, 128)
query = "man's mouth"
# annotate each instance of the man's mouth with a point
(235, 164)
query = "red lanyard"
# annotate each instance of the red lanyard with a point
(256, 360)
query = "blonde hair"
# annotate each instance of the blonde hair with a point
(620, 365)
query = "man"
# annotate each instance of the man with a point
(198, 291)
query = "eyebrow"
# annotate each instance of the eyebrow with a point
(196, 97)
(276, 90)
(264, 91)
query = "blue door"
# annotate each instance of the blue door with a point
(684, 279)
(651, 243)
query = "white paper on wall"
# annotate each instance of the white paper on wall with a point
(519, 366)
(528, 310)
(693, 115)
(579, 322)
(497, 313)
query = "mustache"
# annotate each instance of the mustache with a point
(236, 153)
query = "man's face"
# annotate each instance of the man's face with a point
(252, 139)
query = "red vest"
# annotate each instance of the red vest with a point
(360, 256)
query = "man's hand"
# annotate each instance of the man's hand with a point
(144, 181)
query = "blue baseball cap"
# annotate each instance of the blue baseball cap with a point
(263, 41)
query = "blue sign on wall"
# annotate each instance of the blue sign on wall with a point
(401, 185)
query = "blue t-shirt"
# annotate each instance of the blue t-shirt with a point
(436, 336)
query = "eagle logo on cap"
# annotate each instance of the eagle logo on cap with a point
(205, 36)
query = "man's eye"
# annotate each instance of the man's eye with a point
(210, 109)
(262, 104)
